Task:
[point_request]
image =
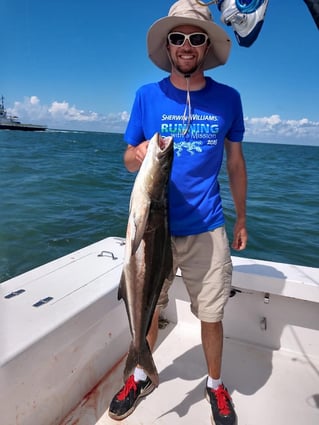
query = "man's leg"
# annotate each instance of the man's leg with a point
(212, 340)
(218, 396)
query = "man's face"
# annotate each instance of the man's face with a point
(186, 57)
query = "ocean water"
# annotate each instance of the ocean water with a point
(63, 190)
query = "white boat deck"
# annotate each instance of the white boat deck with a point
(267, 387)
(63, 337)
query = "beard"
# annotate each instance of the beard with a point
(186, 70)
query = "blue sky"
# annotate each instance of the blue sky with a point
(77, 64)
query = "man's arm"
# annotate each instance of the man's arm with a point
(134, 155)
(236, 168)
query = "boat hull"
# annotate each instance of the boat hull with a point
(22, 127)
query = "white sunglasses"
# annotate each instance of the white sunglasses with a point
(196, 39)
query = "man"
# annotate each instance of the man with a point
(204, 117)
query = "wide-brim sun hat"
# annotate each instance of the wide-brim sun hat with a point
(188, 12)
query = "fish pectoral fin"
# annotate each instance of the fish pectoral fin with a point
(144, 359)
(120, 294)
(137, 225)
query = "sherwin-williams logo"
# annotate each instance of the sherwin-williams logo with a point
(194, 129)
(202, 130)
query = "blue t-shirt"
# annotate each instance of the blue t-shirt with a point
(216, 113)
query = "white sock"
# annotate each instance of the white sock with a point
(139, 374)
(213, 383)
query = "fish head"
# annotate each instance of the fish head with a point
(158, 164)
(150, 188)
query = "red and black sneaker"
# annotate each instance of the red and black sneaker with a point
(222, 407)
(126, 400)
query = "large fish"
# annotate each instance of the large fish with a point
(148, 255)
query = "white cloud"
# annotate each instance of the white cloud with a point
(63, 111)
(34, 100)
(30, 107)
(61, 115)
(275, 129)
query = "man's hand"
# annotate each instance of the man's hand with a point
(140, 151)
(240, 237)
(134, 156)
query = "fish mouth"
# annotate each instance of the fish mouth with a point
(164, 143)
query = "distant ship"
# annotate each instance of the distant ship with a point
(8, 122)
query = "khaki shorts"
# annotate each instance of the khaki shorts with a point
(206, 267)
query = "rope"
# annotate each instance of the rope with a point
(188, 107)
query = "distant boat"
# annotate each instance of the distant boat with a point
(8, 122)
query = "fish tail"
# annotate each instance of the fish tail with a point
(144, 359)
